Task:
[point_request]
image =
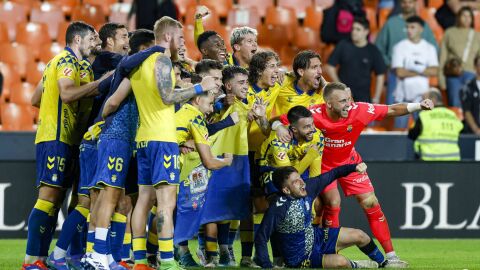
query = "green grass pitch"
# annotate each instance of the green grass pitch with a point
(420, 253)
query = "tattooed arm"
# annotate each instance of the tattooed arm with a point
(163, 68)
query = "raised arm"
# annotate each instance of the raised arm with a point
(400, 109)
(170, 95)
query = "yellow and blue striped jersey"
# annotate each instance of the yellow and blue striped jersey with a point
(255, 135)
(290, 96)
(57, 120)
(191, 124)
(274, 153)
(84, 104)
(157, 119)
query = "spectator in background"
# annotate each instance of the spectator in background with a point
(357, 58)
(470, 96)
(338, 20)
(1, 83)
(446, 14)
(413, 60)
(394, 31)
(149, 11)
(436, 131)
(460, 44)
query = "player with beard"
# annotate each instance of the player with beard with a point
(341, 122)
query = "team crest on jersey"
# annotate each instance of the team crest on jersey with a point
(281, 155)
(172, 176)
(54, 177)
(290, 99)
(114, 178)
(67, 71)
(349, 128)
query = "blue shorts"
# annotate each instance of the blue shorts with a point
(54, 164)
(325, 242)
(88, 165)
(158, 162)
(113, 162)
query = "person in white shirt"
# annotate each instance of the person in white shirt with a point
(414, 61)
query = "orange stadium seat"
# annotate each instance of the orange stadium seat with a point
(12, 13)
(119, 13)
(476, 20)
(4, 33)
(17, 56)
(66, 5)
(50, 14)
(260, 5)
(35, 72)
(192, 50)
(243, 16)
(62, 30)
(372, 18)
(307, 38)
(28, 4)
(287, 54)
(16, 117)
(435, 3)
(458, 112)
(371, 4)
(183, 5)
(21, 93)
(10, 76)
(49, 51)
(313, 17)
(298, 5)
(31, 35)
(221, 6)
(282, 16)
(272, 36)
(209, 22)
(383, 15)
(91, 14)
(224, 32)
(324, 3)
(428, 14)
(104, 4)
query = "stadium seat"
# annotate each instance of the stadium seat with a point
(372, 18)
(221, 6)
(435, 3)
(66, 5)
(298, 5)
(28, 4)
(243, 16)
(104, 4)
(119, 13)
(272, 36)
(21, 93)
(49, 51)
(4, 33)
(192, 50)
(476, 20)
(383, 16)
(12, 13)
(313, 17)
(91, 14)
(428, 14)
(16, 117)
(62, 29)
(371, 4)
(260, 5)
(17, 56)
(287, 54)
(50, 14)
(209, 22)
(458, 112)
(307, 38)
(183, 5)
(282, 16)
(324, 3)
(32, 35)
(35, 72)
(10, 76)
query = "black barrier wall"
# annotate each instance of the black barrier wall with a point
(420, 200)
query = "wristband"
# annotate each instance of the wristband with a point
(218, 106)
(276, 124)
(198, 88)
(413, 107)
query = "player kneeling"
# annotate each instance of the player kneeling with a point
(289, 219)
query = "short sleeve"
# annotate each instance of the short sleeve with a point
(198, 128)
(67, 67)
(279, 153)
(378, 63)
(334, 58)
(397, 56)
(466, 98)
(371, 112)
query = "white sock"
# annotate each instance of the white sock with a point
(59, 253)
(30, 259)
(110, 259)
(391, 255)
(101, 233)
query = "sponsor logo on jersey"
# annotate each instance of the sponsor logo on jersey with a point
(67, 72)
(349, 128)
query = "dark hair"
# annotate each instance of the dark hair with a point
(476, 60)
(229, 72)
(195, 78)
(140, 37)
(183, 72)
(280, 175)
(205, 65)
(258, 65)
(109, 30)
(77, 28)
(328, 90)
(203, 37)
(363, 22)
(297, 112)
(415, 19)
(302, 61)
(459, 14)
